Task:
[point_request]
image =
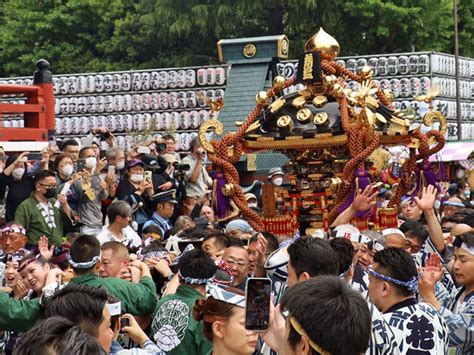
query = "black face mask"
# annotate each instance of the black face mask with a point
(50, 192)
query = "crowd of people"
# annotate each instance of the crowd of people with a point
(113, 252)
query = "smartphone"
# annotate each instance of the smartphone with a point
(257, 303)
(111, 170)
(102, 154)
(143, 150)
(80, 165)
(124, 322)
(201, 222)
(147, 175)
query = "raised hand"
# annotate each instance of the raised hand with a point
(432, 273)
(43, 248)
(428, 198)
(365, 200)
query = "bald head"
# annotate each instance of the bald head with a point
(461, 228)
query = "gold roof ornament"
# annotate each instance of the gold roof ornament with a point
(323, 43)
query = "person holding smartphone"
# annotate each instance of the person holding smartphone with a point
(197, 179)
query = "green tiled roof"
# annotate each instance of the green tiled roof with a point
(243, 83)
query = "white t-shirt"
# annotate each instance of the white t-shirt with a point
(130, 237)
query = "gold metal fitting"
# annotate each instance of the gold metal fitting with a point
(228, 190)
(329, 80)
(304, 115)
(388, 94)
(366, 72)
(279, 82)
(285, 122)
(323, 43)
(337, 90)
(262, 98)
(320, 118)
(320, 101)
(299, 102)
(277, 104)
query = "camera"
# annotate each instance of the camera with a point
(160, 147)
(181, 167)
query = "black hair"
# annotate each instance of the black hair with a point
(168, 137)
(345, 253)
(221, 240)
(415, 229)
(43, 174)
(193, 233)
(196, 264)
(272, 241)
(69, 142)
(193, 144)
(83, 249)
(81, 152)
(56, 335)
(334, 316)
(71, 302)
(468, 238)
(152, 229)
(314, 256)
(469, 220)
(398, 264)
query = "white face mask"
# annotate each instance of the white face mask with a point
(277, 181)
(90, 163)
(67, 170)
(136, 178)
(120, 165)
(253, 205)
(18, 173)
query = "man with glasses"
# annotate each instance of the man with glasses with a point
(238, 259)
(39, 213)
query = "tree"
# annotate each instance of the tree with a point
(98, 35)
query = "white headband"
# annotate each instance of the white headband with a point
(389, 231)
(467, 248)
(115, 309)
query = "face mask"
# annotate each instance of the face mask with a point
(67, 170)
(50, 193)
(253, 205)
(277, 181)
(18, 173)
(136, 178)
(90, 163)
(467, 193)
(120, 165)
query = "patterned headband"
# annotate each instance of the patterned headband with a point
(222, 265)
(13, 229)
(16, 256)
(28, 262)
(218, 292)
(353, 237)
(193, 281)
(84, 265)
(411, 285)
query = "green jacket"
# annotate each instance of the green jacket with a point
(173, 327)
(137, 299)
(18, 315)
(29, 215)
